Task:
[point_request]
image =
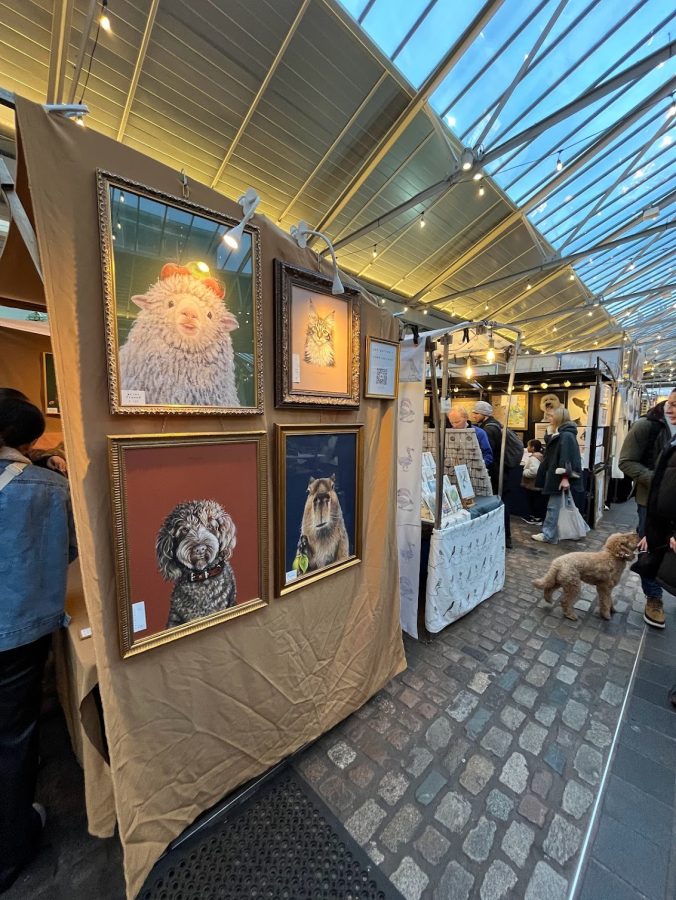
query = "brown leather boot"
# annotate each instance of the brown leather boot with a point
(653, 613)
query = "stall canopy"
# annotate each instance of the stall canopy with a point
(354, 117)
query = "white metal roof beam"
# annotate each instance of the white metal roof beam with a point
(138, 66)
(82, 49)
(62, 14)
(521, 73)
(577, 163)
(639, 273)
(261, 91)
(632, 73)
(415, 105)
(559, 264)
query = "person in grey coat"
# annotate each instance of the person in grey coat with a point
(647, 438)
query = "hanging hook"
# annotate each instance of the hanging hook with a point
(185, 188)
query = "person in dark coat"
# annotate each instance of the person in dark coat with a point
(647, 438)
(660, 525)
(560, 469)
(482, 415)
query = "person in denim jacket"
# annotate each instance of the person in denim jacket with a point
(38, 542)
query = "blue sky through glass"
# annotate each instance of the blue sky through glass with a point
(591, 41)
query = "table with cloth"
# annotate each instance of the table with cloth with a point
(77, 686)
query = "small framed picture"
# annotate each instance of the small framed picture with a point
(382, 368)
(190, 527)
(184, 332)
(51, 398)
(319, 502)
(317, 340)
(465, 488)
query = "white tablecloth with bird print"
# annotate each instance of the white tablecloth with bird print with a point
(466, 566)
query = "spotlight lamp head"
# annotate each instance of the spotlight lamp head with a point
(467, 159)
(249, 202)
(566, 383)
(300, 234)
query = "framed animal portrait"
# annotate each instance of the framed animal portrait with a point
(518, 409)
(51, 398)
(182, 309)
(319, 502)
(190, 526)
(381, 379)
(317, 340)
(579, 402)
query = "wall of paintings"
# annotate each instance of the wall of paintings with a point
(232, 459)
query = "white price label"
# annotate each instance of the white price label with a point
(295, 368)
(292, 575)
(133, 398)
(138, 616)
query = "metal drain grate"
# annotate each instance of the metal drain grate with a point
(281, 844)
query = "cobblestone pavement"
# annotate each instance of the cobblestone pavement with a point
(473, 773)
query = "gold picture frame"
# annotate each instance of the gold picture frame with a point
(177, 299)
(319, 476)
(191, 563)
(317, 341)
(381, 372)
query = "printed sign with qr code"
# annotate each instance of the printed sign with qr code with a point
(381, 376)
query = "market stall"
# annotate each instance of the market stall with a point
(195, 705)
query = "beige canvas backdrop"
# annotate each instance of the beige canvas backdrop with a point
(190, 721)
(21, 368)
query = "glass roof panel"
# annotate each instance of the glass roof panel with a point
(591, 41)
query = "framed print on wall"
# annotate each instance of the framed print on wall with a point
(317, 340)
(381, 379)
(319, 502)
(182, 309)
(190, 526)
(51, 399)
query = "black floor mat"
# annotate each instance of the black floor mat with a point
(281, 843)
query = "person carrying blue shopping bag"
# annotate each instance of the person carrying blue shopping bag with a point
(559, 475)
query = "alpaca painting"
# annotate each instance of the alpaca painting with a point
(179, 350)
(319, 348)
(182, 309)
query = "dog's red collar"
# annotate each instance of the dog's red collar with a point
(206, 574)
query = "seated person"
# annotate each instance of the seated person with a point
(38, 543)
(459, 418)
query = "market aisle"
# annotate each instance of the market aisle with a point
(474, 773)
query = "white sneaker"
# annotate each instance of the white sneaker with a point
(540, 537)
(42, 812)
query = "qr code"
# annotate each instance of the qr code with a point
(381, 376)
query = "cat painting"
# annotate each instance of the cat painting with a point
(319, 346)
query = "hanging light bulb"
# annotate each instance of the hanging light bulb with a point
(490, 355)
(422, 220)
(559, 163)
(566, 383)
(104, 20)
(79, 120)
(544, 385)
(526, 387)
(374, 254)
(529, 286)
(481, 192)
(469, 371)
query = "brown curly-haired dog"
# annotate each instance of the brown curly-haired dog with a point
(193, 549)
(602, 569)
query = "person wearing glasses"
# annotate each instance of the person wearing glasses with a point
(648, 437)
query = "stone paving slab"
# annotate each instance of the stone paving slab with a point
(473, 773)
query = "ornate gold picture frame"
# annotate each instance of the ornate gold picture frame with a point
(317, 341)
(183, 311)
(190, 531)
(319, 502)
